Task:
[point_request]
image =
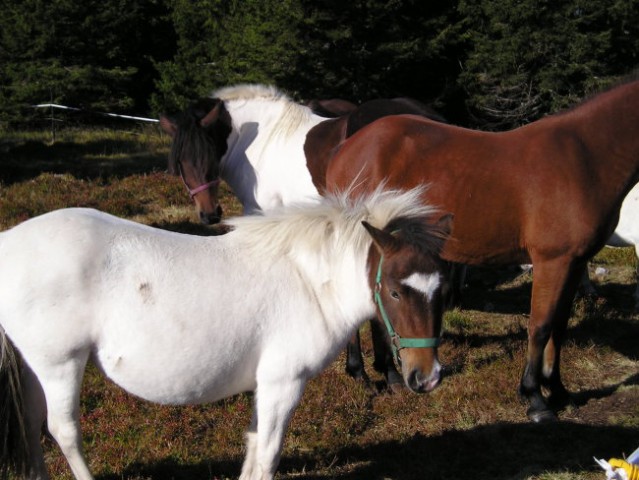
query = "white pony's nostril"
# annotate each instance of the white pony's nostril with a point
(418, 382)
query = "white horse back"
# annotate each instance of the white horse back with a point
(627, 232)
(171, 318)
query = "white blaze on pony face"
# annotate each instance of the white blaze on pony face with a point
(425, 283)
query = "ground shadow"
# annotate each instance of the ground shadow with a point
(499, 451)
(491, 452)
(193, 228)
(582, 397)
(487, 289)
(615, 331)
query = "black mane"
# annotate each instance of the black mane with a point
(203, 146)
(428, 237)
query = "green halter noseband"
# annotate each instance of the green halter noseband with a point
(397, 342)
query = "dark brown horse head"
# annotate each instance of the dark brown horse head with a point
(374, 109)
(200, 136)
(331, 108)
(408, 276)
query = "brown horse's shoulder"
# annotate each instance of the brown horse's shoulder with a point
(319, 147)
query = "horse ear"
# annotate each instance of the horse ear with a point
(445, 224)
(212, 116)
(168, 125)
(382, 240)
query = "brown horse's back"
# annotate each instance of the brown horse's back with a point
(502, 193)
(323, 140)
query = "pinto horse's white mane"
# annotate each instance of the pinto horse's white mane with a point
(250, 91)
(330, 226)
(293, 114)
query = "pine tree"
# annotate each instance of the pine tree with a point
(88, 54)
(530, 58)
(227, 42)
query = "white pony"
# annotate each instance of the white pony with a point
(180, 319)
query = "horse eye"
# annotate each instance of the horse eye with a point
(394, 294)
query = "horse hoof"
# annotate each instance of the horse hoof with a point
(541, 416)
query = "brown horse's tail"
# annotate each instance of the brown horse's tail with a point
(14, 455)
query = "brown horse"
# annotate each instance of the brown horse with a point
(547, 193)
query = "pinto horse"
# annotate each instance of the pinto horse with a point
(260, 155)
(547, 193)
(152, 309)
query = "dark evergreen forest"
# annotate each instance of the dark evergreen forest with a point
(491, 64)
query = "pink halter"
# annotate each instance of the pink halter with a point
(201, 188)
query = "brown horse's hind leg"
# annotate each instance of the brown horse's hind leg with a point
(554, 287)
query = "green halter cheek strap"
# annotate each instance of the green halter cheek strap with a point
(397, 341)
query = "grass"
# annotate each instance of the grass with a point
(472, 426)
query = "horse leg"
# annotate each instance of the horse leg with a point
(554, 286)
(61, 384)
(636, 296)
(354, 359)
(274, 406)
(586, 289)
(35, 413)
(384, 362)
(251, 447)
(457, 280)
(551, 378)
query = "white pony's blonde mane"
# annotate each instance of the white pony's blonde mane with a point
(293, 114)
(329, 226)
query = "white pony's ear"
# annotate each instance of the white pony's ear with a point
(382, 240)
(168, 125)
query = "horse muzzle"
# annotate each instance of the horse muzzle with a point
(207, 218)
(420, 382)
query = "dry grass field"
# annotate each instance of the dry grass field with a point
(472, 426)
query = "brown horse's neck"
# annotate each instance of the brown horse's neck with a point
(611, 124)
(608, 125)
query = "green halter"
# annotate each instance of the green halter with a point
(398, 342)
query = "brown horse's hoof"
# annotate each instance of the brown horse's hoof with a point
(541, 416)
